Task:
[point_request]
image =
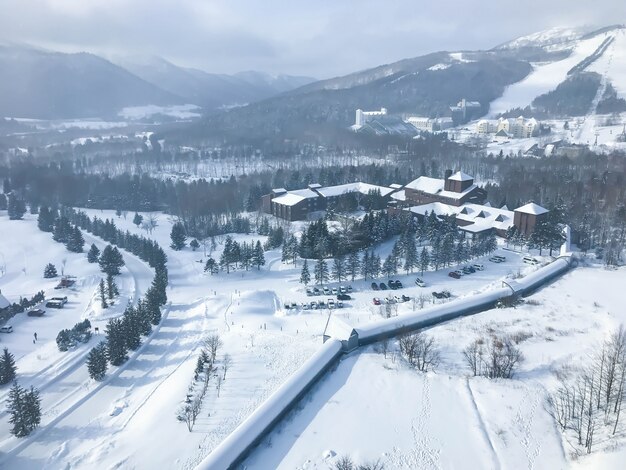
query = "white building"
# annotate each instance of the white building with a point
(430, 125)
(363, 116)
(518, 128)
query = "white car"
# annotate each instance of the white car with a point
(6, 329)
(419, 282)
(479, 267)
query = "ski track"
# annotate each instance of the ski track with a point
(524, 419)
(483, 427)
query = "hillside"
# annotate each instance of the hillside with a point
(42, 84)
(210, 90)
(510, 76)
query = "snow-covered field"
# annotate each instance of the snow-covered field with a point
(87, 424)
(375, 408)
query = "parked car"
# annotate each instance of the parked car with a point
(392, 284)
(331, 303)
(493, 259)
(36, 313)
(327, 291)
(530, 260)
(501, 258)
(468, 270)
(398, 299)
(335, 291)
(294, 305)
(419, 282)
(287, 306)
(343, 290)
(316, 291)
(445, 294)
(314, 305)
(383, 286)
(374, 286)
(54, 304)
(479, 267)
(405, 298)
(399, 285)
(349, 288)
(454, 275)
(339, 304)
(60, 299)
(343, 297)
(390, 300)
(6, 329)
(309, 291)
(376, 301)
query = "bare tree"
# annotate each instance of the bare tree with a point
(226, 363)
(344, 463)
(420, 351)
(473, 355)
(213, 343)
(149, 223)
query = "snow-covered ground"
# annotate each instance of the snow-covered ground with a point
(104, 425)
(376, 408)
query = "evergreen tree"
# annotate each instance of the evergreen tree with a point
(45, 219)
(137, 219)
(366, 265)
(112, 289)
(178, 236)
(321, 271)
(228, 255)
(50, 271)
(62, 230)
(339, 270)
(16, 208)
(375, 265)
(116, 342)
(389, 267)
(411, 258)
(211, 266)
(8, 369)
(103, 295)
(258, 256)
(153, 309)
(97, 362)
(3, 202)
(131, 325)
(111, 260)
(194, 244)
(424, 261)
(93, 254)
(353, 266)
(305, 276)
(75, 241)
(24, 406)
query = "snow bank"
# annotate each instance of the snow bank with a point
(248, 434)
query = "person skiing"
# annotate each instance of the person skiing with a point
(35, 335)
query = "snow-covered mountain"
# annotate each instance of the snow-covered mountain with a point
(555, 73)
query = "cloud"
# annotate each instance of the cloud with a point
(320, 38)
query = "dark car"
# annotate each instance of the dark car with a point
(437, 295)
(399, 285)
(405, 298)
(343, 297)
(36, 313)
(374, 286)
(445, 294)
(383, 286)
(454, 275)
(54, 304)
(468, 270)
(392, 284)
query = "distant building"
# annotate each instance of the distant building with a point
(455, 189)
(298, 204)
(364, 116)
(430, 125)
(509, 128)
(465, 110)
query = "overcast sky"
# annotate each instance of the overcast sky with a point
(319, 38)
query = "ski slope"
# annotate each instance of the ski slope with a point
(544, 77)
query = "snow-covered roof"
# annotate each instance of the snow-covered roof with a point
(294, 197)
(395, 186)
(532, 208)
(427, 185)
(4, 303)
(360, 187)
(437, 207)
(455, 195)
(399, 195)
(480, 217)
(460, 176)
